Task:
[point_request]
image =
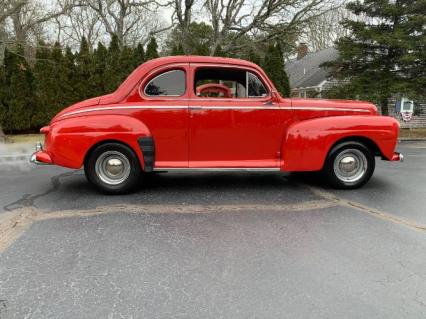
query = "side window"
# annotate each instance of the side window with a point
(255, 86)
(227, 83)
(170, 83)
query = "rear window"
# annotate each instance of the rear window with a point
(170, 83)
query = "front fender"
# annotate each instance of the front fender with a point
(307, 143)
(69, 140)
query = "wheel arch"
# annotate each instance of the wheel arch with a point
(71, 140)
(368, 142)
(106, 141)
(307, 143)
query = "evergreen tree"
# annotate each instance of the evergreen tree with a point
(84, 63)
(71, 78)
(273, 65)
(138, 56)
(253, 57)
(177, 49)
(152, 49)
(18, 100)
(126, 63)
(219, 52)
(113, 68)
(385, 54)
(44, 83)
(3, 101)
(202, 49)
(98, 69)
(59, 87)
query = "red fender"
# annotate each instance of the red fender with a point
(69, 140)
(307, 143)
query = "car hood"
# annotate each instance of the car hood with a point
(367, 108)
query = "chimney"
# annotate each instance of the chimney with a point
(302, 50)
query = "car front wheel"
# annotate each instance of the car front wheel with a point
(349, 165)
(113, 168)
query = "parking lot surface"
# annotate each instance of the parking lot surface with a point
(214, 245)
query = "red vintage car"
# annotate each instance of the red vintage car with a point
(212, 113)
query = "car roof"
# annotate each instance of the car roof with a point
(198, 59)
(124, 89)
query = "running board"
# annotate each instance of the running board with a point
(213, 169)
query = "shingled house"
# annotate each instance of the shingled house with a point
(309, 80)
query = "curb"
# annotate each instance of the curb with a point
(411, 139)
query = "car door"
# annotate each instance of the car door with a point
(161, 102)
(238, 131)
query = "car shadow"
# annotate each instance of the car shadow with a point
(195, 188)
(207, 188)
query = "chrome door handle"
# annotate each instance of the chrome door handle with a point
(194, 108)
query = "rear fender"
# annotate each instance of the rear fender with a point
(307, 143)
(69, 140)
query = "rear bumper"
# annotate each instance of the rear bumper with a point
(397, 157)
(40, 157)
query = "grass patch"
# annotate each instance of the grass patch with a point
(25, 138)
(412, 133)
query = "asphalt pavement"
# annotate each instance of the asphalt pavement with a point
(213, 245)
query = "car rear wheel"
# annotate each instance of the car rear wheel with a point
(349, 165)
(113, 168)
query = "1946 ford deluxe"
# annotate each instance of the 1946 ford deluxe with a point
(211, 113)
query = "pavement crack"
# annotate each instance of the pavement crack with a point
(366, 209)
(27, 200)
(15, 222)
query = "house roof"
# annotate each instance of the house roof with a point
(307, 72)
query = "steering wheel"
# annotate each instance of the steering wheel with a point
(214, 88)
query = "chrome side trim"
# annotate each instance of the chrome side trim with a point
(327, 109)
(220, 169)
(125, 107)
(182, 107)
(198, 107)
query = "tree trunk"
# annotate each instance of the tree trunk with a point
(2, 136)
(384, 105)
(3, 39)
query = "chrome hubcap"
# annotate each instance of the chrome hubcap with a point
(112, 167)
(350, 165)
(347, 164)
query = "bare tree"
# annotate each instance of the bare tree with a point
(130, 20)
(183, 12)
(29, 18)
(324, 30)
(22, 21)
(81, 21)
(233, 19)
(9, 7)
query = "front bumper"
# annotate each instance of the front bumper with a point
(397, 157)
(40, 157)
